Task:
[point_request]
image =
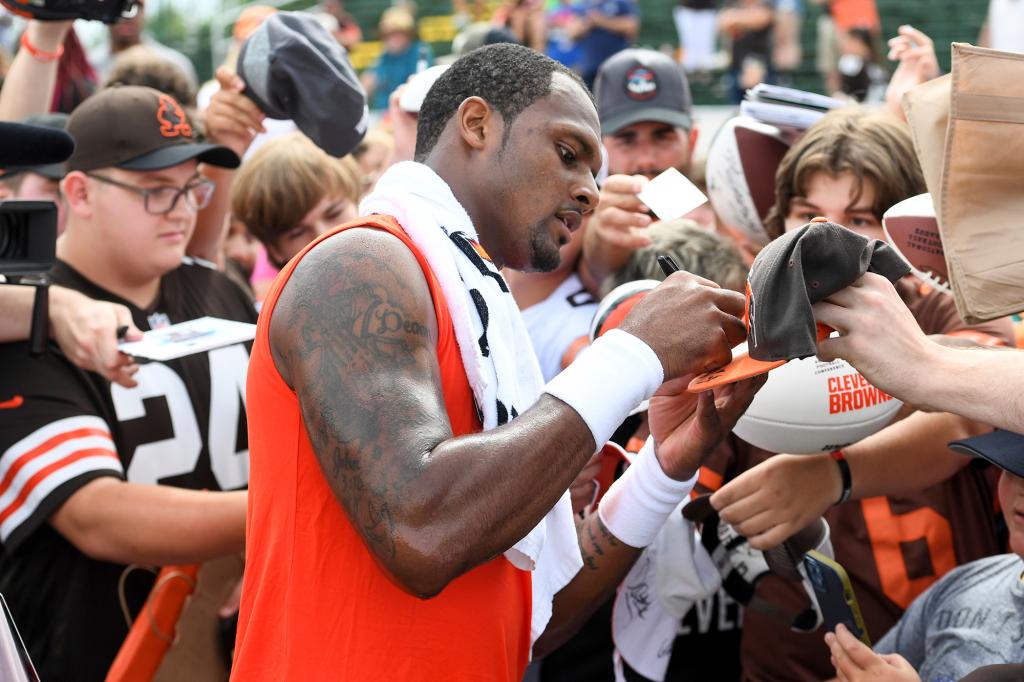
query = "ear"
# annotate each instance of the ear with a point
(693, 142)
(475, 121)
(77, 191)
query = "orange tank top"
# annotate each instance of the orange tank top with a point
(315, 605)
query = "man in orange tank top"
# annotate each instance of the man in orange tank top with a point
(393, 525)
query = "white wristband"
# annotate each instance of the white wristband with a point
(637, 505)
(611, 377)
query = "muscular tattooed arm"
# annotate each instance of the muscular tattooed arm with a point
(354, 333)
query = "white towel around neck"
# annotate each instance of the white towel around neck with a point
(496, 352)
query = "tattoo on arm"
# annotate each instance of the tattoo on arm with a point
(354, 335)
(593, 545)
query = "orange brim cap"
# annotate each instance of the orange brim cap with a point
(742, 367)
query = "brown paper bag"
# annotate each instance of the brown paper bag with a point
(969, 134)
(927, 111)
(982, 205)
(968, 131)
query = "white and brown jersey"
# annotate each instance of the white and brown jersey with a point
(60, 428)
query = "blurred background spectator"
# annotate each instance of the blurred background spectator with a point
(403, 56)
(796, 54)
(128, 33)
(747, 24)
(526, 20)
(603, 29)
(861, 77)
(695, 22)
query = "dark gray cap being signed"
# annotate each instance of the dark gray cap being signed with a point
(638, 85)
(788, 277)
(294, 69)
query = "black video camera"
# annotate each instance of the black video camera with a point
(107, 11)
(28, 237)
(28, 246)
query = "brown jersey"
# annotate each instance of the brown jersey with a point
(892, 547)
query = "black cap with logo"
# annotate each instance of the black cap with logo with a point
(137, 128)
(637, 85)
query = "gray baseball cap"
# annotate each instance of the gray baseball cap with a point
(294, 69)
(637, 85)
(788, 277)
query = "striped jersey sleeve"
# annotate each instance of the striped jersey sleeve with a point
(43, 462)
(53, 440)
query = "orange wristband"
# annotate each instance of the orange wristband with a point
(41, 55)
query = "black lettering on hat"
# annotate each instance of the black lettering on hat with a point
(172, 119)
(641, 83)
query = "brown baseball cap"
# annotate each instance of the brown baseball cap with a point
(137, 128)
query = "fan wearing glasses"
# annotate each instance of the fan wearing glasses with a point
(143, 219)
(98, 476)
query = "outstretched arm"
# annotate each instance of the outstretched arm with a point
(133, 523)
(784, 493)
(85, 329)
(880, 338)
(28, 85)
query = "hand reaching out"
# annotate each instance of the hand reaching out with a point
(86, 331)
(918, 64)
(854, 661)
(775, 499)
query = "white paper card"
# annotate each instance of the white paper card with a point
(186, 338)
(671, 195)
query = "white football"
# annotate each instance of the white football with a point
(740, 173)
(810, 406)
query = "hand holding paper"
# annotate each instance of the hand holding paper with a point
(186, 338)
(671, 195)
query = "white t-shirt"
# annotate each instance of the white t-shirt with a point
(1006, 25)
(557, 321)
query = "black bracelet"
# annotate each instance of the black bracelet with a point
(844, 473)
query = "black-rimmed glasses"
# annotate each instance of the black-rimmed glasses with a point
(162, 200)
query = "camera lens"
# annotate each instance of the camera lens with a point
(13, 236)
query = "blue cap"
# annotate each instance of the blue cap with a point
(1005, 449)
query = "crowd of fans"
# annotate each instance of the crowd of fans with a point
(184, 200)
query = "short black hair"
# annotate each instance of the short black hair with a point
(507, 76)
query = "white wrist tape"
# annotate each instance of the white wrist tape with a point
(610, 378)
(637, 505)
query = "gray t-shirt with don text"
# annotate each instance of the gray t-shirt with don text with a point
(973, 616)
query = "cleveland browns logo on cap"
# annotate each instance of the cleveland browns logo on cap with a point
(172, 119)
(641, 83)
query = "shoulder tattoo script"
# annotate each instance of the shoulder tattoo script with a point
(360, 354)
